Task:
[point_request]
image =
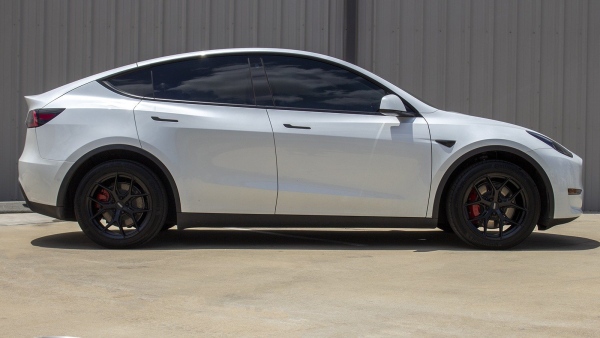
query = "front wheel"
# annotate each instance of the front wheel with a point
(120, 204)
(493, 205)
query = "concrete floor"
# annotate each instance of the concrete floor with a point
(217, 282)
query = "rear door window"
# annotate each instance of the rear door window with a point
(219, 79)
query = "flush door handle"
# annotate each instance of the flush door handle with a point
(287, 125)
(156, 118)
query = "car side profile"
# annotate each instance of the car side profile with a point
(275, 137)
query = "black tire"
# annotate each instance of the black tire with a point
(124, 189)
(498, 192)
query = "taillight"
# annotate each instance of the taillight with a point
(39, 117)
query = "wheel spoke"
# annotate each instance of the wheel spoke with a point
(512, 205)
(97, 214)
(485, 224)
(116, 190)
(474, 203)
(122, 231)
(477, 218)
(478, 193)
(130, 187)
(97, 201)
(112, 193)
(506, 219)
(135, 223)
(489, 180)
(500, 226)
(487, 218)
(503, 185)
(130, 197)
(109, 224)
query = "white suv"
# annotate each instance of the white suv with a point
(273, 137)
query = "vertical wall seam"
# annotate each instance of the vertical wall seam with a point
(351, 30)
(538, 60)
(19, 83)
(563, 72)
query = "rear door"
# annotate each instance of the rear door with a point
(202, 123)
(336, 155)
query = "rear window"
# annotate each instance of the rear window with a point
(137, 82)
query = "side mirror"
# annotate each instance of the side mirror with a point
(392, 105)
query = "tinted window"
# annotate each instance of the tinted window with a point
(222, 79)
(304, 83)
(137, 82)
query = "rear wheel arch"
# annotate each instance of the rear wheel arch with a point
(507, 154)
(100, 155)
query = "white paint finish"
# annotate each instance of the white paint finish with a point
(95, 116)
(392, 102)
(222, 158)
(40, 178)
(564, 173)
(351, 164)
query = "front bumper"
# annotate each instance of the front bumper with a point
(564, 173)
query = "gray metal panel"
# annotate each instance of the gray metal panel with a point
(530, 62)
(12, 123)
(591, 87)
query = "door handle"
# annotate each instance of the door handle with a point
(156, 118)
(287, 125)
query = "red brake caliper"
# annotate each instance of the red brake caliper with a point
(102, 196)
(474, 210)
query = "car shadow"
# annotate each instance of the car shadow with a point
(313, 239)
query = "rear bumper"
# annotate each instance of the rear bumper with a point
(44, 209)
(40, 179)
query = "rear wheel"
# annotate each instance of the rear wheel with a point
(493, 205)
(120, 204)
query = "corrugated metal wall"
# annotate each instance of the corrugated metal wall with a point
(531, 62)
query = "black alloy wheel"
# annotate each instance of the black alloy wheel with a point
(120, 204)
(493, 205)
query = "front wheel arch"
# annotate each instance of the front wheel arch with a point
(103, 154)
(503, 153)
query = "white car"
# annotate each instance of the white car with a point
(275, 137)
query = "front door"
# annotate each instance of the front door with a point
(336, 155)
